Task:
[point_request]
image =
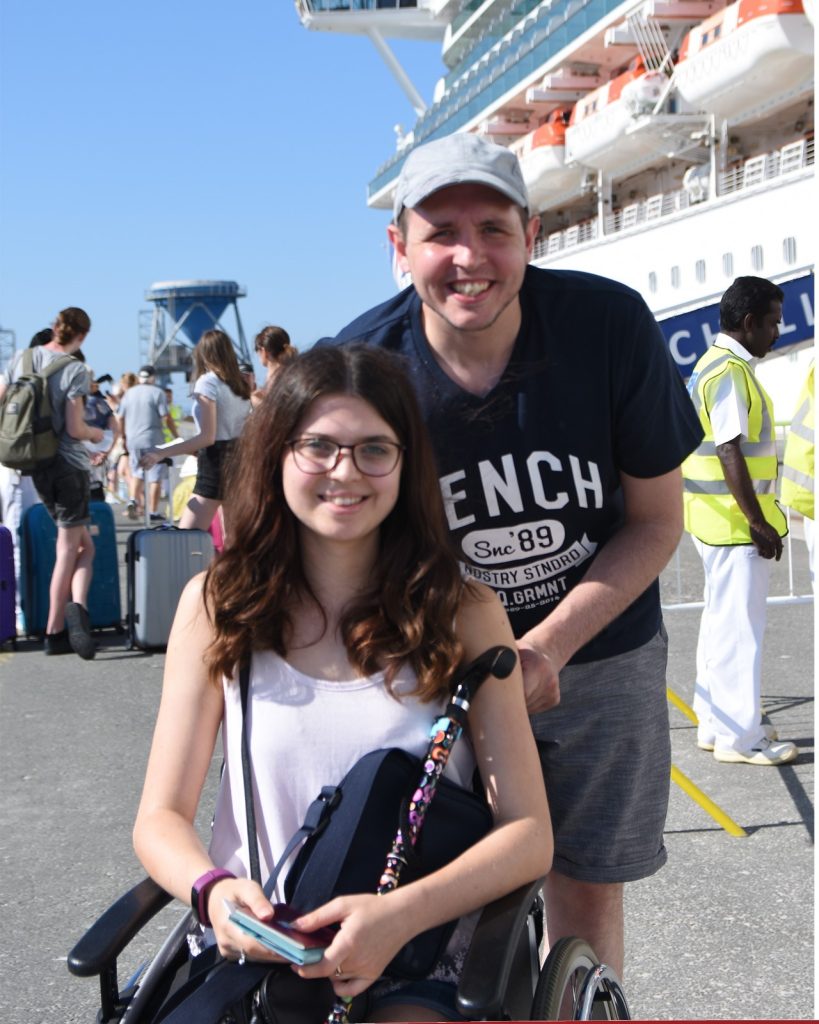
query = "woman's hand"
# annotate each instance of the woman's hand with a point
(149, 458)
(230, 939)
(370, 935)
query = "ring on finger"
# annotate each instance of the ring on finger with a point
(339, 971)
(242, 958)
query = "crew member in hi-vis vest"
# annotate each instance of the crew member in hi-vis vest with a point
(797, 480)
(729, 493)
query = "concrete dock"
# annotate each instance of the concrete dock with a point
(725, 930)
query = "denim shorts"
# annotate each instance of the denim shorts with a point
(606, 757)
(64, 490)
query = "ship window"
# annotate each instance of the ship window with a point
(699, 270)
(757, 261)
(728, 264)
(789, 249)
(652, 282)
(675, 277)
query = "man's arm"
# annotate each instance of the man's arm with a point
(735, 469)
(629, 562)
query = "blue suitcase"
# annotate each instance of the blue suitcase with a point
(38, 544)
(8, 590)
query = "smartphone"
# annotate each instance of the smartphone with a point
(279, 934)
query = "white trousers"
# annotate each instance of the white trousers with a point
(727, 694)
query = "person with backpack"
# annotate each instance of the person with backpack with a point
(59, 466)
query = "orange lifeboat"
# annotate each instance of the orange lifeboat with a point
(596, 134)
(745, 57)
(543, 162)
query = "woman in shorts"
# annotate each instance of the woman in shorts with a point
(221, 404)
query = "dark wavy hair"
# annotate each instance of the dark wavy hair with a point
(407, 615)
(215, 352)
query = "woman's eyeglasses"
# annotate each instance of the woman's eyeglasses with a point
(320, 455)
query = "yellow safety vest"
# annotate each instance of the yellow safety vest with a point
(797, 469)
(176, 415)
(711, 511)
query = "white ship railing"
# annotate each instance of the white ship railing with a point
(677, 583)
(751, 173)
(545, 31)
(318, 6)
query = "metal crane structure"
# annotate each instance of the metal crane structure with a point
(183, 311)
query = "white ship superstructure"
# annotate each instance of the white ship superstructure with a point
(665, 143)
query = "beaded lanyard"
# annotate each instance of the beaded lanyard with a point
(498, 662)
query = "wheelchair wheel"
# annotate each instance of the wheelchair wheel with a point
(574, 985)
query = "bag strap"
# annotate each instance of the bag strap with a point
(54, 365)
(247, 778)
(27, 364)
(315, 820)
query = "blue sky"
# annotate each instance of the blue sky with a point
(175, 139)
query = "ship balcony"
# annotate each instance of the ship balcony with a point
(757, 172)
(410, 19)
(516, 61)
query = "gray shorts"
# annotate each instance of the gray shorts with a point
(606, 757)
(65, 491)
(156, 474)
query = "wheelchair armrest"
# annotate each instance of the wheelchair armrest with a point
(488, 963)
(111, 933)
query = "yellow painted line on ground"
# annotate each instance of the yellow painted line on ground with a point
(707, 804)
(680, 704)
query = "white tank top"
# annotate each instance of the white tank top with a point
(307, 733)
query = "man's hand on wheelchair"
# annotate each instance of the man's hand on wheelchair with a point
(541, 677)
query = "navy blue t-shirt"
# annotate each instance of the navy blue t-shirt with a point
(530, 473)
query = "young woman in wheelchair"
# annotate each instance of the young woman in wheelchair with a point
(339, 585)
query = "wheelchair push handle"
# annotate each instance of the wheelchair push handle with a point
(496, 661)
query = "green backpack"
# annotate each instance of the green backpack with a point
(27, 435)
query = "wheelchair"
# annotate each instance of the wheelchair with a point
(502, 978)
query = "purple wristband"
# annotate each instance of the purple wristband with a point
(199, 893)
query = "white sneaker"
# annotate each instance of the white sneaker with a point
(765, 752)
(705, 741)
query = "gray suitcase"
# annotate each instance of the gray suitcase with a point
(160, 562)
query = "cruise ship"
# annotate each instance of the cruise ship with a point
(665, 143)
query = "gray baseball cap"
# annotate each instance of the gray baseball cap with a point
(458, 159)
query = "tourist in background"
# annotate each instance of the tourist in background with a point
(63, 484)
(274, 350)
(143, 412)
(98, 413)
(221, 404)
